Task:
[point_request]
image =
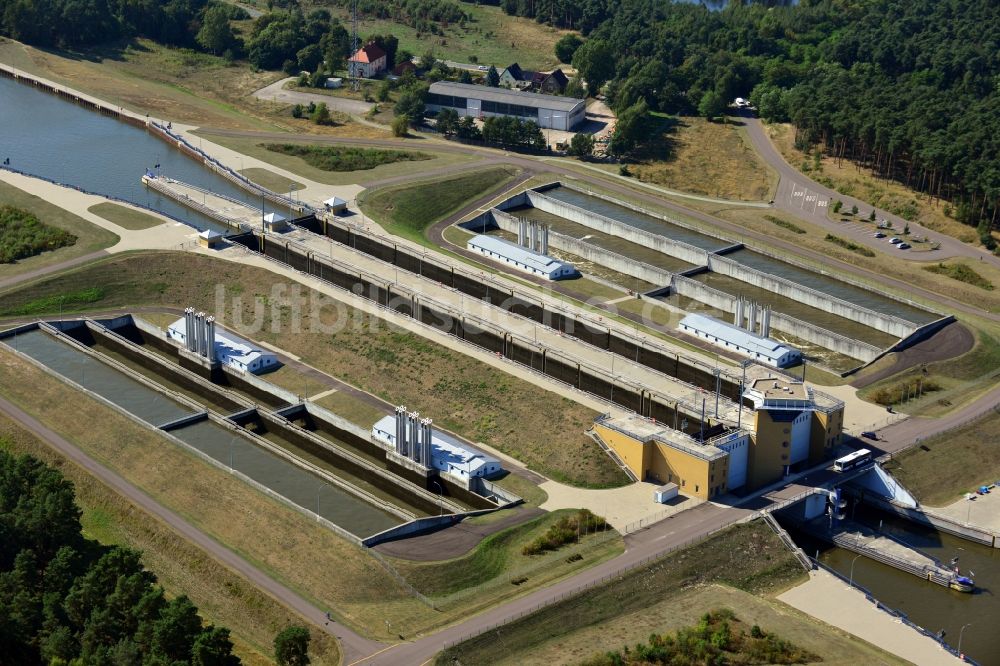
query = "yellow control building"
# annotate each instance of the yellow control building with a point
(789, 425)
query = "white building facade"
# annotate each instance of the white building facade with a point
(548, 111)
(521, 258)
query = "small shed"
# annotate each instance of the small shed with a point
(335, 205)
(664, 494)
(275, 222)
(211, 239)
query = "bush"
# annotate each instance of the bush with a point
(785, 224)
(565, 530)
(321, 115)
(838, 204)
(344, 158)
(581, 145)
(23, 235)
(400, 126)
(297, 111)
(962, 273)
(850, 245)
(901, 391)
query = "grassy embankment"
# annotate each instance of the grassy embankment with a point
(962, 273)
(272, 181)
(295, 164)
(89, 238)
(498, 568)
(409, 210)
(222, 596)
(284, 543)
(491, 37)
(846, 178)
(125, 217)
(22, 235)
(538, 427)
(707, 158)
(850, 246)
(345, 158)
(944, 385)
(942, 468)
(739, 567)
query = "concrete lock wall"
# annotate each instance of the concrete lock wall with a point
(882, 322)
(800, 329)
(683, 251)
(590, 252)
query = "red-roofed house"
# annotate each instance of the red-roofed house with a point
(368, 61)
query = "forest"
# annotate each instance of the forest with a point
(64, 597)
(909, 88)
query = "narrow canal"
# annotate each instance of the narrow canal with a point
(45, 135)
(927, 604)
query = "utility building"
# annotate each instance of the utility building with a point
(415, 439)
(757, 346)
(790, 426)
(198, 335)
(521, 258)
(548, 111)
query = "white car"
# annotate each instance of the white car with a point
(903, 246)
(895, 241)
(483, 68)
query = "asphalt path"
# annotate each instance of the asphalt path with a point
(353, 646)
(803, 197)
(276, 92)
(535, 166)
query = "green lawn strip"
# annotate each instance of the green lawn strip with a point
(272, 181)
(409, 210)
(946, 466)
(345, 158)
(125, 217)
(749, 557)
(962, 273)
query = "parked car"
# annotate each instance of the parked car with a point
(903, 246)
(483, 68)
(895, 241)
(868, 434)
(879, 234)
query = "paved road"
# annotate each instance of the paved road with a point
(277, 93)
(805, 198)
(53, 268)
(352, 645)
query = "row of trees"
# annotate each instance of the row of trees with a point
(430, 16)
(505, 131)
(906, 87)
(81, 23)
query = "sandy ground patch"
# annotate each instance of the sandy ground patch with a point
(619, 506)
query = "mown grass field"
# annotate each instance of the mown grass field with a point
(538, 427)
(748, 557)
(492, 37)
(498, 560)
(297, 165)
(125, 217)
(701, 157)
(409, 210)
(89, 238)
(961, 272)
(942, 468)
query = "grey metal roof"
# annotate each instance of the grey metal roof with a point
(737, 336)
(505, 96)
(515, 252)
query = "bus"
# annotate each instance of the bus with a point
(850, 461)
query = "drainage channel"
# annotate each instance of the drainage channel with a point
(233, 448)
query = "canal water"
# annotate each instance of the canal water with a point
(48, 136)
(926, 604)
(290, 481)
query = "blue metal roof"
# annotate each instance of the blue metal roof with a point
(737, 336)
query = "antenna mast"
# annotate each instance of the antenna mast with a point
(355, 45)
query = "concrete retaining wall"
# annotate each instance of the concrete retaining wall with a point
(590, 252)
(683, 251)
(940, 523)
(882, 322)
(922, 333)
(800, 329)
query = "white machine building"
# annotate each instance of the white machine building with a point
(195, 330)
(759, 347)
(415, 438)
(521, 258)
(548, 111)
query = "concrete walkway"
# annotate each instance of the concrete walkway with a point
(829, 599)
(982, 511)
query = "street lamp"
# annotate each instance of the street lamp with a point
(851, 581)
(440, 497)
(960, 637)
